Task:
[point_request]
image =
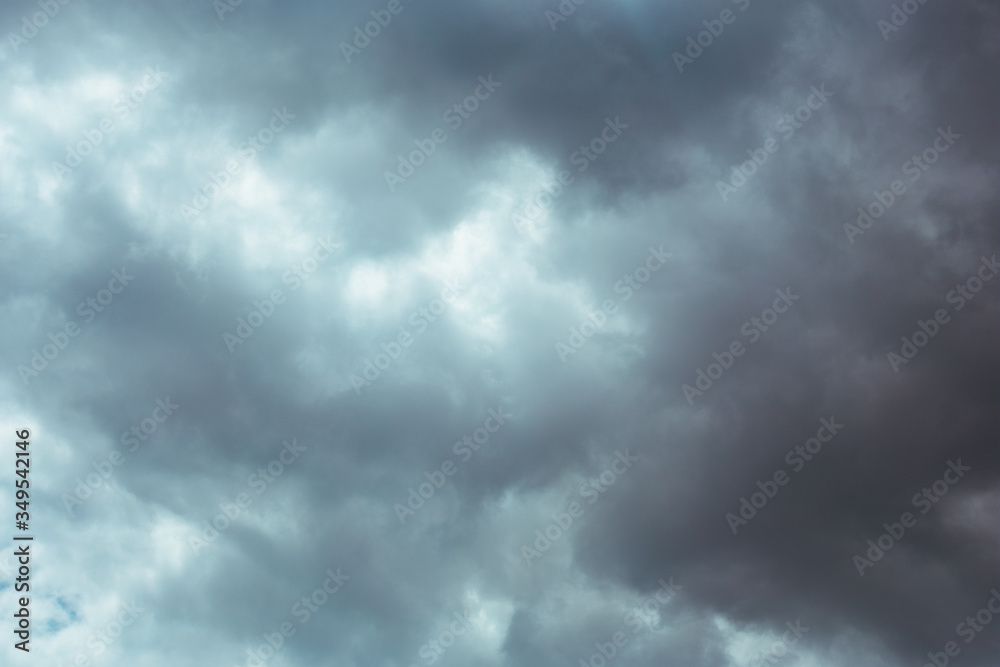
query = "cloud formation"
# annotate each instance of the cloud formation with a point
(694, 303)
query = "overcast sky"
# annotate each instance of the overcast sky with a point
(503, 332)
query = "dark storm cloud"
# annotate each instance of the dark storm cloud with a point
(369, 447)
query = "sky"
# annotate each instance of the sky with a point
(502, 333)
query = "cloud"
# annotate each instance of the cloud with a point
(584, 154)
